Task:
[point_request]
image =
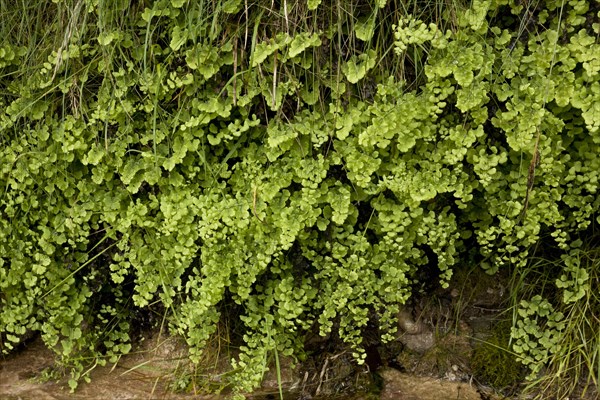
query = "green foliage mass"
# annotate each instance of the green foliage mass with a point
(303, 162)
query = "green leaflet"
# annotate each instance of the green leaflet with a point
(268, 48)
(411, 31)
(232, 6)
(303, 41)
(205, 59)
(313, 4)
(357, 67)
(366, 28)
(178, 38)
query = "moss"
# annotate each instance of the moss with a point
(493, 363)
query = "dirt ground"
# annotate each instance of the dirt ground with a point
(141, 375)
(146, 374)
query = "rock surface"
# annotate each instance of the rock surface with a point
(414, 334)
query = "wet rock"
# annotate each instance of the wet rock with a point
(415, 335)
(398, 385)
(409, 325)
(418, 343)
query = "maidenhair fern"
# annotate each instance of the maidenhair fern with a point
(192, 157)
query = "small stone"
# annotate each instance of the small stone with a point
(418, 343)
(450, 376)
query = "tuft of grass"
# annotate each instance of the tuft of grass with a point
(573, 369)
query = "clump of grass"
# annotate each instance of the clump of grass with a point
(573, 368)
